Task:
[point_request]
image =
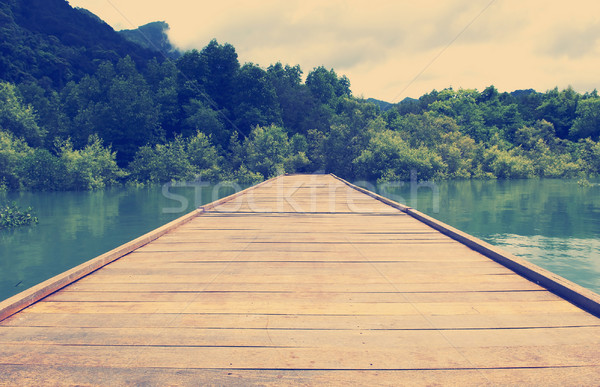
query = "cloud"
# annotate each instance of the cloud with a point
(575, 42)
(314, 33)
(383, 45)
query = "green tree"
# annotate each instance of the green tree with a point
(217, 72)
(326, 86)
(41, 170)
(299, 109)
(348, 136)
(200, 117)
(528, 136)
(548, 163)
(162, 80)
(462, 106)
(48, 109)
(118, 105)
(297, 160)
(266, 150)
(255, 99)
(203, 156)
(587, 123)
(18, 118)
(559, 108)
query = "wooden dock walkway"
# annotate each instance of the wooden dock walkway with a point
(300, 280)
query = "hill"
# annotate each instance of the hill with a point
(153, 36)
(382, 104)
(51, 42)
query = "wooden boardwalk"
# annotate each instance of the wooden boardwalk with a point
(302, 280)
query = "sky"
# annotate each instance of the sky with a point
(392, 49)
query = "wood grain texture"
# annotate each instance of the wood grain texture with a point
(301, 280)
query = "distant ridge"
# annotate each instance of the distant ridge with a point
(51, 40)
(153, 36)
(383, 105)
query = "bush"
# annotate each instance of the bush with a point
(266, 150)
(92, 167)
(389, 157)
(507, 165)
(43, 171)
(12, 153)
(588, 152)
(179, 160)
(161, 163)
(244, 176)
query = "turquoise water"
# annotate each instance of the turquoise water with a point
(77, 226)
(552, 223)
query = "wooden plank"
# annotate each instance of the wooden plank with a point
(300, 338)
(306, 269)
(267, 338)
(399, 358)
(300, 238)
(69, 375)
(314, 296)
(315, 278)
(306, 307)
(410, 252)
(198, 259)
(517, 284)
(429, 253)
(285, 322)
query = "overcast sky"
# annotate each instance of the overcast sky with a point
(392, 49)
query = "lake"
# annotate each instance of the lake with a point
(552, 223)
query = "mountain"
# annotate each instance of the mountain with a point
(382, 104)
(153, 36)
(51, 42)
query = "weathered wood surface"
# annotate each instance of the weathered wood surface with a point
(302, 280)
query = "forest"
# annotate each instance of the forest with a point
(83, 116)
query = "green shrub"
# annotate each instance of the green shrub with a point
(13, 152)
(92, 167)
(179, 160)
(508, 165)
(266, 150)
(42, 171)
(389, 157)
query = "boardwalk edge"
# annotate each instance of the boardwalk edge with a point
(28, 297)
(575, 294)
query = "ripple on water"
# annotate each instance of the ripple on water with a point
(576, 259)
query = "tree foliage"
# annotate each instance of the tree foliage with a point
(82, 108)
